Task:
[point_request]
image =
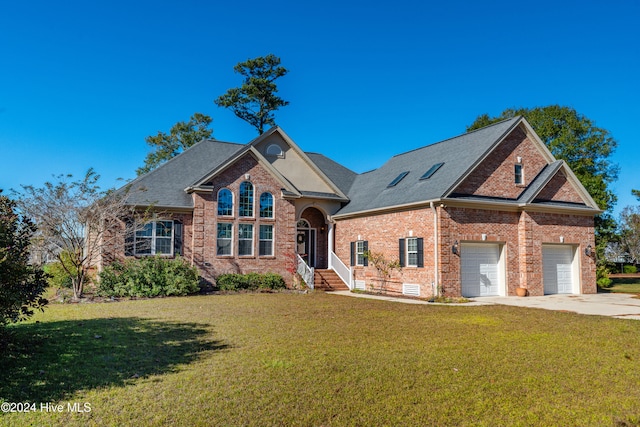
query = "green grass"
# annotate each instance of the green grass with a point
(321, 360)
(625, 285)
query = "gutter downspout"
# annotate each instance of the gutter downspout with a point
(436, 278)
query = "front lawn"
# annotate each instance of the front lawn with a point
(320, 360)
(625, 285)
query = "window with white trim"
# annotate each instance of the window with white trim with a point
(245, 239)
(412, 251)
(224, 239)
(265, 245)
(360, 250)
(245, 201)
(266, 205)
(519, 174)
(225, 202)
(154, 238)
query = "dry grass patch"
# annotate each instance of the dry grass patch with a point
(321, 360)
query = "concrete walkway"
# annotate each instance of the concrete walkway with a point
(623, 306)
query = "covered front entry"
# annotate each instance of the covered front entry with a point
(557, 266)
(312, 238)
(306, 242)
(480, 269)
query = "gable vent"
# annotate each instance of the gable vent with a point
(398, 179)
(433, 169)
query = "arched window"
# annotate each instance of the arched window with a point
(225, 202)
(274, 150)
(245, 202)
(266, 205)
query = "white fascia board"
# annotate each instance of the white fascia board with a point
(387, 209)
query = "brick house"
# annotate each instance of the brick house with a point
(480, 214)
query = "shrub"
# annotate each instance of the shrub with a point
(250, 281)
(630, 269)
(149, 277)
(602, 274)
(21, 284)
(58, 276)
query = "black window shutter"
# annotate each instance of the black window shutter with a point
(365, 245)
(177, 238)
(129, 236)
(420, 242)
(401, 253)
(353, 253)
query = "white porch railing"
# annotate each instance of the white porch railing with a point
(341, 270)
(305, 272)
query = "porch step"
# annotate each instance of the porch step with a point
(328, 280)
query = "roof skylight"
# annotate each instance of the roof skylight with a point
(397, 179)
(433, 169)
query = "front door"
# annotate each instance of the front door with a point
(306, 243)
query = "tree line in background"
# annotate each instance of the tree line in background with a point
(55, 219)
(255, 102)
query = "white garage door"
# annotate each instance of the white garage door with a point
(558, 276)
(479, 265)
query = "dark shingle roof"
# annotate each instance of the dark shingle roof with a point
(540, 181)
(164, 186)
(370, 190)
(341, 176)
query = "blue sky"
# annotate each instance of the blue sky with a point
(83, 83)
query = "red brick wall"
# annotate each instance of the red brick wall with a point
(383, 233)
(495, 176)
(521, 235)
(468, 225)
(205, 225)
(576, 230)
(560, 190)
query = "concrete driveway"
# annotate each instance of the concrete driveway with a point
(623, 306)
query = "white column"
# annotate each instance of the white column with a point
(330, 243)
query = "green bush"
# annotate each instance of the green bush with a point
(250, 281)
(602, 275)
(149, 277)
(630, 269)
(58, 276)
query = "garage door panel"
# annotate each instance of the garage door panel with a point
(479, 265)
(557, 269)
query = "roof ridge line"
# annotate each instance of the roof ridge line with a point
(457, 136)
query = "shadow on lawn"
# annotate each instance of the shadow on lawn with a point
(50, 361)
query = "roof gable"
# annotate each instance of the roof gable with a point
(476, 166)
(282, 157)
(494, 174)
(558, 184)
(458, 155)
